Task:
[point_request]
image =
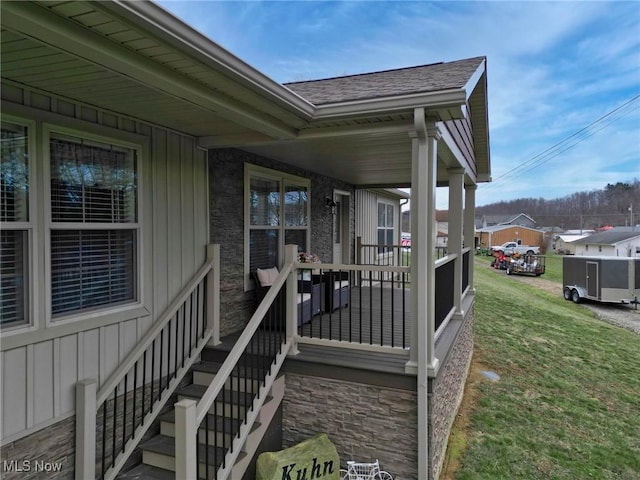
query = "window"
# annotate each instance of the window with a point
(15, 225)
(385, 226)
(278, 214)
(94, 224)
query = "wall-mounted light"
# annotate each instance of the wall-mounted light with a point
(330, 204)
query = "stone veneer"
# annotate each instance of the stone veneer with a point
(53, 445)
(226, 212)
(368, 422)
(445, 394)
(365, 422)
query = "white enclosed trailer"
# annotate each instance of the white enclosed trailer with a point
(602, 279)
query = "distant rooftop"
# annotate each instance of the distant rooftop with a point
(388, 83)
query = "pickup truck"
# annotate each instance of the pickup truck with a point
(509, 248)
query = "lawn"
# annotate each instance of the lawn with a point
(567, 405)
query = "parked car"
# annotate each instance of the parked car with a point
(509, 248)
(405, 239)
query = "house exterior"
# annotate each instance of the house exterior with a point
(565, 243)
(499, 234)
(520, 219)
(378, 226)
(617, 242)
(147, 173)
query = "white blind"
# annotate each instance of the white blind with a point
(90, 268)
(13, 259)
(92, 183)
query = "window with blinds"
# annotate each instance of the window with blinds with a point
(15, 225)
(278, 210)
(385, 226)
(94, 226)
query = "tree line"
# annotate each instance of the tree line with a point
(580, 210)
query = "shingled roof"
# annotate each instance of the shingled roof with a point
(609, 237)
(388, 83)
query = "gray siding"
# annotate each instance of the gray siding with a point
(39, 374)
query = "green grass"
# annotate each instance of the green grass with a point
(567, 405)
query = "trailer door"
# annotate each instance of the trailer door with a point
(592, 279)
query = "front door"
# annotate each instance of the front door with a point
(341, 228)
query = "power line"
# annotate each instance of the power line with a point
(577, 137)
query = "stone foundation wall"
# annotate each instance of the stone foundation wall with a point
(226, 212)
(445, 395)
(46, 454)
(365, 422)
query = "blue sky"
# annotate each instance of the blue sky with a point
(555, 69)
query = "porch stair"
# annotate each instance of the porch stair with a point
(158, 453)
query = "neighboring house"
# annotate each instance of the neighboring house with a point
(520, 219)
(565, 243)
(499, 234)
(146, 174)
(616, 242)
(379, 215)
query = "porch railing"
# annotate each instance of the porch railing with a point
(207, 446)
(364, 304)
(111, 422)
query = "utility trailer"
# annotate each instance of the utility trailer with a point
(602, 279)
(526, 265)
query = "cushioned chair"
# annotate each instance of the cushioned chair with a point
(337, 290)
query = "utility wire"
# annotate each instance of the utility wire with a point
(577, 137)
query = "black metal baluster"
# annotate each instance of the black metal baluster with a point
(177, 338)
(115, 424)
(144, 383)
(124, 419)
(184, 333)
(160, 369)
(135, 394)
(153, 372)
(104, 436)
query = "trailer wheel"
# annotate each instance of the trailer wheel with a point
(566, 293)
(575, 296)
(509, 270)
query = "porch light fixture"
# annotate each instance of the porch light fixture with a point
(330, 204)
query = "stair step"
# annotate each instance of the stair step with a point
(225, 427)
(233, 406)
(242, 383)
(147, 472)
(159, 452)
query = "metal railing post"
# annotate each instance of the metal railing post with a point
(86, 429)
(186, 441)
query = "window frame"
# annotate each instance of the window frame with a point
(284, 180)
(49, 130)
(387, 204)
(31, 291)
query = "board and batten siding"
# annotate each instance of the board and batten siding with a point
(41, 367)
(367, 216)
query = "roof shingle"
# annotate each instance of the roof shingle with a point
(388, 83)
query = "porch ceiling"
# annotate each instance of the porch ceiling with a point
(135, 59)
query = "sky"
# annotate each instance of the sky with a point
(563, 76)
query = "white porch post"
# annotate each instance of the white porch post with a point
(290, 254)
(470, 226)
(186, 443)
(212, 315)
(422, 359)
(454, 243)
(85, 429)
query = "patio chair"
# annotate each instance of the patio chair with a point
(366, 471)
